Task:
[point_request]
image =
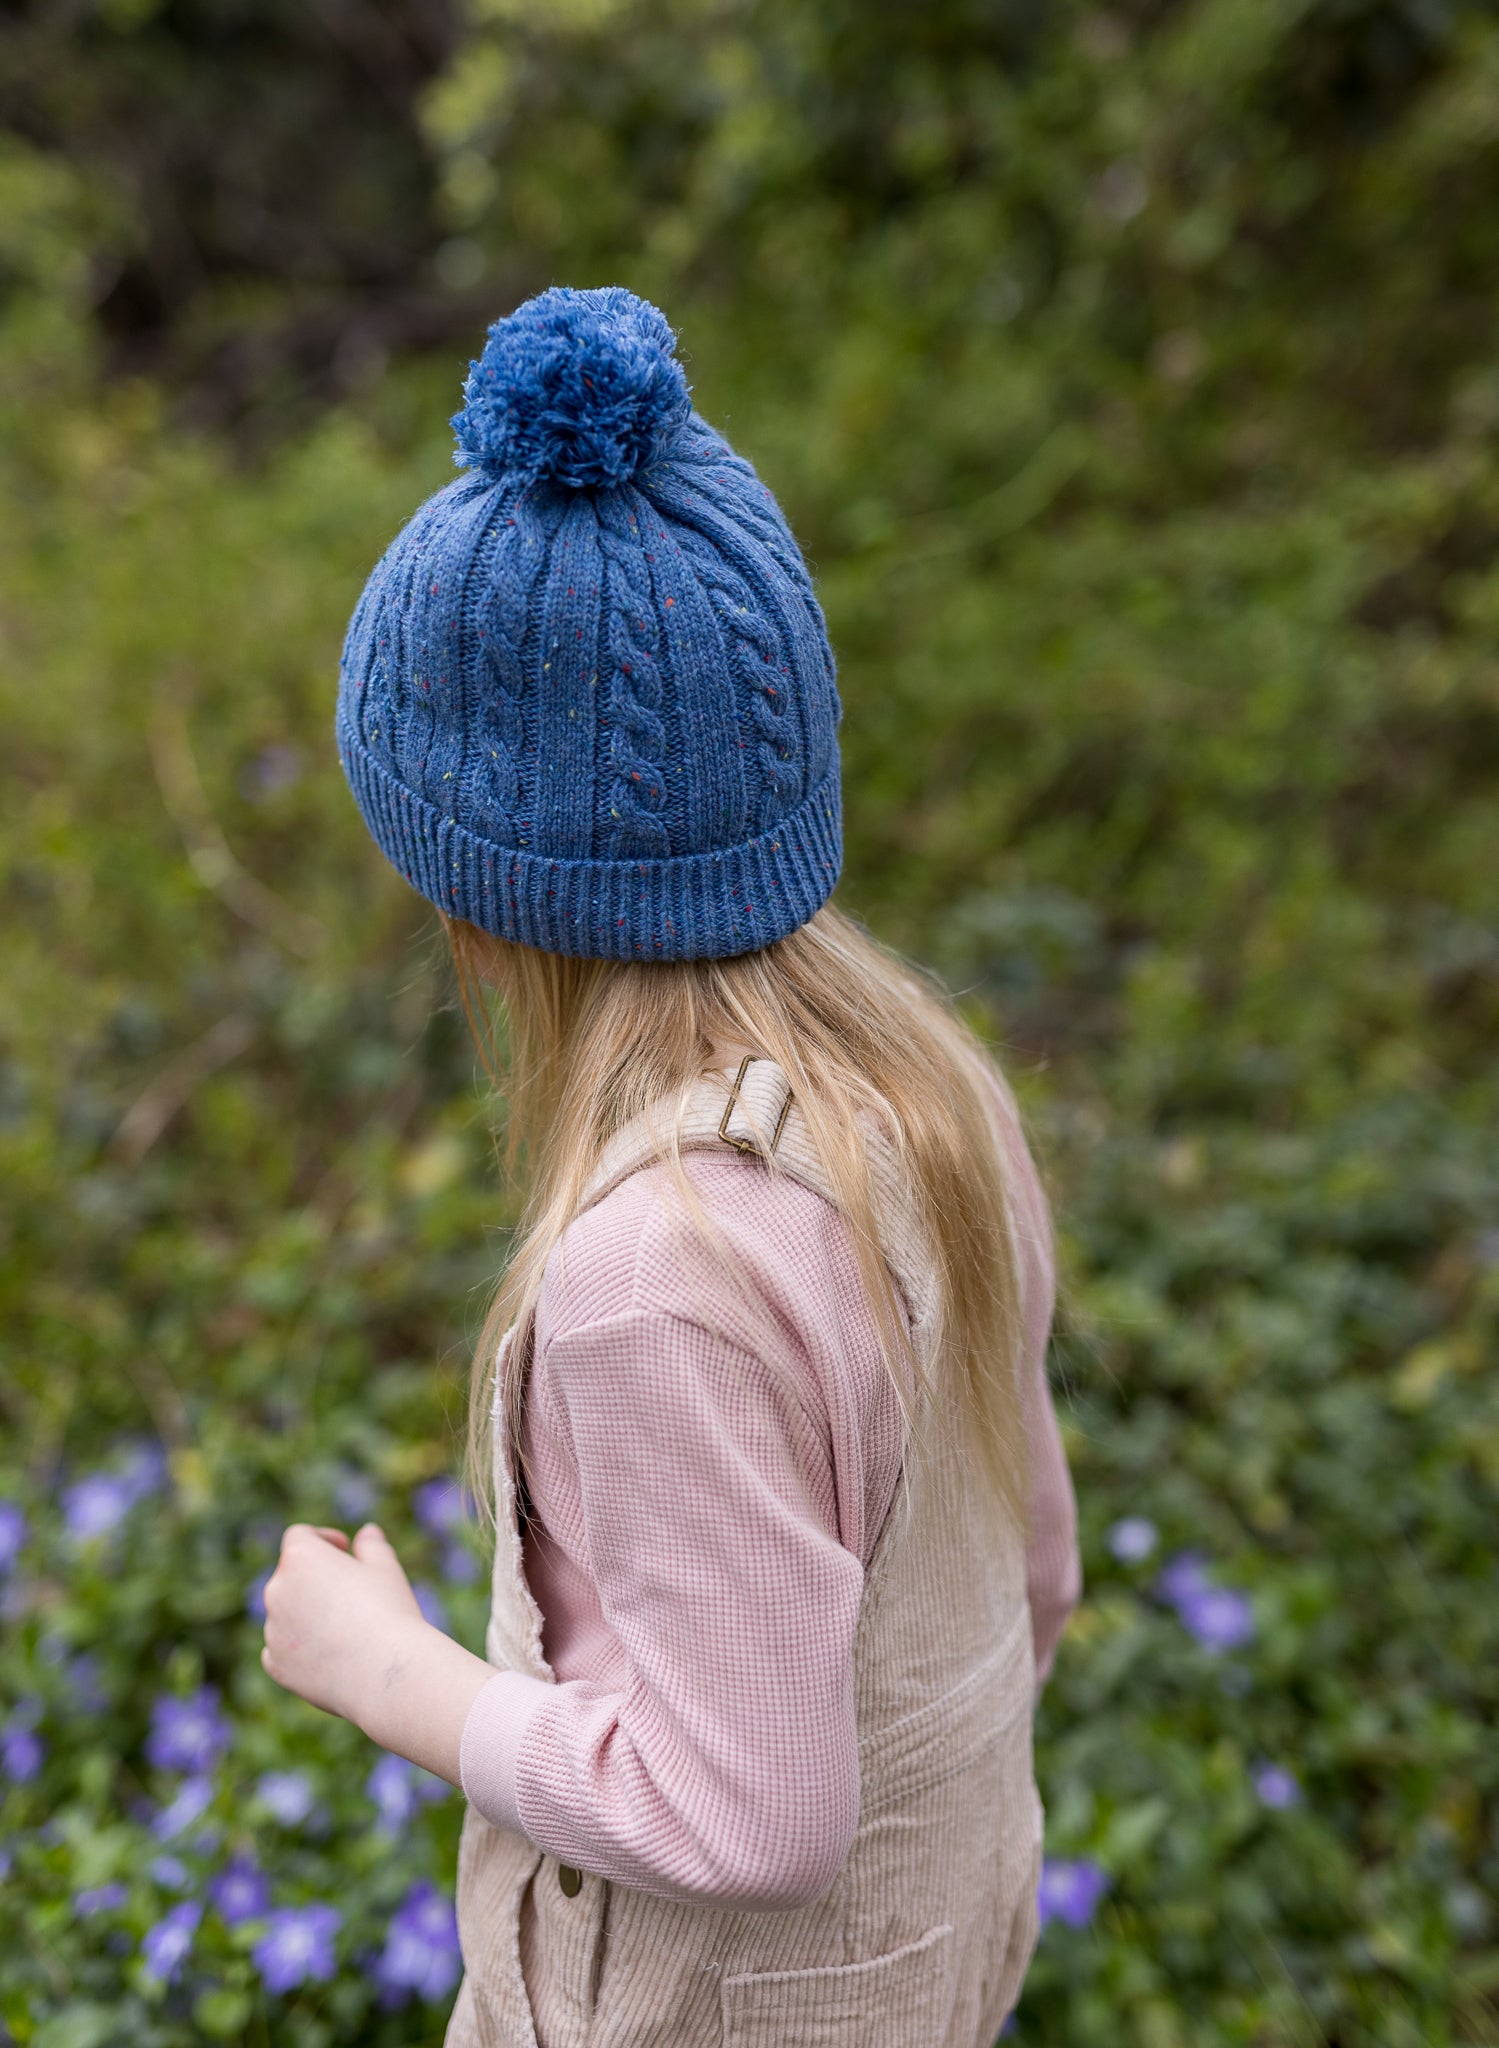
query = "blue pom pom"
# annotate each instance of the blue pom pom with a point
(580, 388)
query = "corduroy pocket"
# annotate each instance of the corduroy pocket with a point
(899, 2000)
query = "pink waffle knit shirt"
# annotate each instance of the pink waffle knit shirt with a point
(709, 1469)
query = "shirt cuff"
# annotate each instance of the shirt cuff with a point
(492, 1735)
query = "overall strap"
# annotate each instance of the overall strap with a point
(757, 1116)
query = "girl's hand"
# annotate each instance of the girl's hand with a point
(343, 1630)
(339, 1618)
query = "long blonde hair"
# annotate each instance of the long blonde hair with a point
(588, 1045)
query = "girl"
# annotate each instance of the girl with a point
(748, 1760)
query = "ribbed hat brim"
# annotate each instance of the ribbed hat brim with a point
(704, 906)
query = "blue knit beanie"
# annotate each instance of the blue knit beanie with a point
(587, 699)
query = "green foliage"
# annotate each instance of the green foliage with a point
(271, 208)
(1130, 378)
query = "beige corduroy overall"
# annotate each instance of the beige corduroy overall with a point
(924, 1937)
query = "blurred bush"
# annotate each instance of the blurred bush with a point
(1130, 377)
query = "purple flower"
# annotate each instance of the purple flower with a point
(85, 1683)
(421, 1951)
(22, 1753)
(170, 1872)
(1133, 1539)
(95, 1506)
(396, 1787)
(12, 1534)
(353, 1494)
(1070, 1891)
(193, 1797)
(297, 1947)
(165, 1945)
(429, 1600)
(1276, 1787)
(459, 1565)
(143, 1468)
(1183, 1577)
(441, 1506)
(255, 1597)
(1220, 1618)
(389, 1785)
(287, 1795)
(190, 1734)
(100, 1898)
(241, 1891)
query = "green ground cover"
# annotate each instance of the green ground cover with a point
(1130, 378)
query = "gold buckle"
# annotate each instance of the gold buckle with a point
(748, 1144)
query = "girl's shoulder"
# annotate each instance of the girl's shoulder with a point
(737, 1243)
(783, 1342)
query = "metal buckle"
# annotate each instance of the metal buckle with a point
(748, 1144)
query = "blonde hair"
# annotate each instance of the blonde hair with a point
(591, 1044)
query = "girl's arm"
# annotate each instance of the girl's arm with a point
(722, 1763)
(1053, 1566)
(342, 1629)
(1053, 1574)
(719, 1497)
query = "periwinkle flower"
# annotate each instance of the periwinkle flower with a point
(170, 1872)
(1184, 1576)
(389, 1785)
(397, 1787)
(95, 1506)
(255, 1595)
(100, 1898)
(1276, 1787)
(241, 1891)
(143, 1468)
(353, 1494)
(441, 1506)
(22, 1753)
(430, 1601)
(1070, 1890)
(286, 1795)
(459, 1565)
(297, 1947)
(1219, 1617)
(13, 1531)
(1133, 1539)
(192, 1799)
(85, 1683)
(421, 1952)
(190, 1734)
(165, 1946)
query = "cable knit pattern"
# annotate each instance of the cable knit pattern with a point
(637, 737)
(610, 730)
(753, 507)
(756, 655)
(501, 629)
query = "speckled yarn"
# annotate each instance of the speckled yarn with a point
(587, 699)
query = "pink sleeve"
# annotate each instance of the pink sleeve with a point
(1053, 1565)
(1054, 1578)
(725, 1765)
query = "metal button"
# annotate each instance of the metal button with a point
(570, 1880)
